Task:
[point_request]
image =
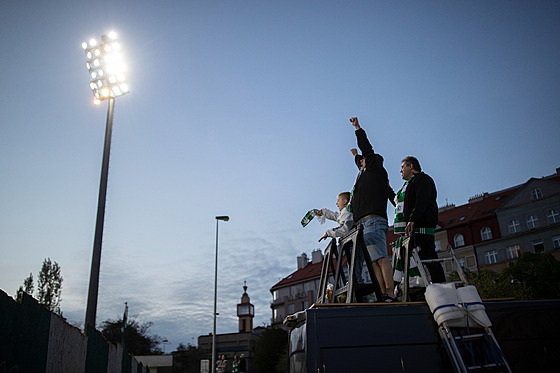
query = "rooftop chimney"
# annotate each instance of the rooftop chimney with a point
(302, 261)
(316, 256)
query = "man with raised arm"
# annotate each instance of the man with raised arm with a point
(369, 207)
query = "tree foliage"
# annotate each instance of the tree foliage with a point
(186, 359)
(49, 286)
(27, 287)
(137, 341)
(532, 276)
(271, 352)
(537, 274)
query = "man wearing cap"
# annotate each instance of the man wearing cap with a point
(369, 207)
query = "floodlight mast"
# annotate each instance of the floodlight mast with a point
(106, 69)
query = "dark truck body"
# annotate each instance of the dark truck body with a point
(403, 337)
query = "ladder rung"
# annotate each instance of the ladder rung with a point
(342, 290)
(436, 260)
(468, 337)
(491, 365)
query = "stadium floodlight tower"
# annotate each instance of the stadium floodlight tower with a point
(106, 67)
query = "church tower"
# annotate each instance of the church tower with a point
(245, 312)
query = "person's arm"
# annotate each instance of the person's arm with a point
(363, 143)
(391, 194)
(357, 157)
(331, 215)
(346, 222)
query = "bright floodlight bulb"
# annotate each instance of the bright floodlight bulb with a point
(112, 35)
(84, 45)
(93, 42)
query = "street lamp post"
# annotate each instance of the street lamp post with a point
(213, 362)
(107, 81)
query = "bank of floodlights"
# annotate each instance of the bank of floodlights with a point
(106, 67)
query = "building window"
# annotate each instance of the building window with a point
(295, 290)
(536, 193)
(291, 309)
(461, 262)
(532, 221)
(305, 304)
(275, 295)
(553, 216)
(486, 233)
(556, 242)
(513, 251)
(459, 240)
(491, 257)
(538, 246)
(514, 226)
(438, 245)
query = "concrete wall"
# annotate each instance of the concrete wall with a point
(33, 339)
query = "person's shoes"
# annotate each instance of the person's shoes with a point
(389, 299)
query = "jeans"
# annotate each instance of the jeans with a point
(375, 237)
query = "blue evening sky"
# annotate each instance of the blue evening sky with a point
(241, 108)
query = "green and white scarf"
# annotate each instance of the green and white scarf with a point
(400, 223)
(414, 279)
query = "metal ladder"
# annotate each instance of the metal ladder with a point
(346, 290)
(409, 252)
(468, 350)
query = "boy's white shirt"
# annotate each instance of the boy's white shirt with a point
(344, 219)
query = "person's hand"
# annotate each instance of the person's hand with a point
(409, 227)
(323, 238)
(354, 151)
(319, 212)
(354, 121)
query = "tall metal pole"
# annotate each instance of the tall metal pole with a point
(213, 362)
(91, 310)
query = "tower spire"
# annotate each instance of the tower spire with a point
(245, 312)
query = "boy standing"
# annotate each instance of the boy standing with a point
(343, 217)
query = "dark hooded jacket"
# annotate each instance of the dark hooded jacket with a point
(371, 190)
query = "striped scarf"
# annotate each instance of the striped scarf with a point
(400, 223)
(414, 278)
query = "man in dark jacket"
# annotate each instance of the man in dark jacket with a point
(369, 207)
(417, 213)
